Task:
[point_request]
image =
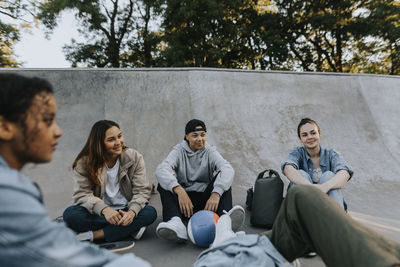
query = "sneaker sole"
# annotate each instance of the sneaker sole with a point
(237, 217)
(168, 234)
(140, 233)
(311, 254)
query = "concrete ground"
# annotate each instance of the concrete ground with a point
(251, 117)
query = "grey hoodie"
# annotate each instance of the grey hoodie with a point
(194, 170)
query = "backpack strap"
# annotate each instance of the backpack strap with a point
(272, 173)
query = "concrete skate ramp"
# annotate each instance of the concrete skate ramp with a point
(251, 117)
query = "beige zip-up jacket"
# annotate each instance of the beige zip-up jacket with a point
(133, 184)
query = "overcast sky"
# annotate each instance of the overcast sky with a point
(37, 52)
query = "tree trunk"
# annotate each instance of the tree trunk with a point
(339, 53)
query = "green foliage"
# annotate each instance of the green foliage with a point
(385, 18)
(202, 33)
(311, 35)
(12, 11)
(262, 37)
(16, 9)
(320, 34)
(114, 31)
(324, 35)
(8, 36)
(144, 46)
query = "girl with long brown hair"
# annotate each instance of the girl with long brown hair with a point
(111, 190)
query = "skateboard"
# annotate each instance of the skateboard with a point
(118, 246)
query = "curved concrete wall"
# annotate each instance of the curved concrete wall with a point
(251, 117)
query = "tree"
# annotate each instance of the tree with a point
(320, 34)
(262, 35)
(109, 29)
(384, 16)
(145, 46)
(202, 33)
(309, 35)
(12, 18)
(9, 35)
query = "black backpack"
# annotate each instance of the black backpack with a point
(266, 200)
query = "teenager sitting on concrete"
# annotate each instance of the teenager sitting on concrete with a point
(187, 183)
(111, 190)
(312, 164)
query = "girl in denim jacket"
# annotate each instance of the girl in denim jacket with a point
(315, 165)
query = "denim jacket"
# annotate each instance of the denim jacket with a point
(28, 237)
(330, 160)
(242, 250)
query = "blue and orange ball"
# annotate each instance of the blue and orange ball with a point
(201, 227)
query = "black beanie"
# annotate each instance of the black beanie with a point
(192, 124)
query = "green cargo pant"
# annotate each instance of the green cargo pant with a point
(310, 220)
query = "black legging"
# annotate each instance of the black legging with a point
(170, 203)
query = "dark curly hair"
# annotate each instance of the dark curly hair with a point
(17, 93)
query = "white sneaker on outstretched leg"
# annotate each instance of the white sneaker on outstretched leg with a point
(223, 230)
(173, 230)
(237, 215)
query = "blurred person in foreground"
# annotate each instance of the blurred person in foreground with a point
(28, 134)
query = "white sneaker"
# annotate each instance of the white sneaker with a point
(174, 230)
(237, 215)
(223, 230)
(139, 233)
(311, 254)
(85, 236)
(296, 263)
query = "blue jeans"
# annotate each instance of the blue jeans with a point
(335, 194)
(80, 220)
